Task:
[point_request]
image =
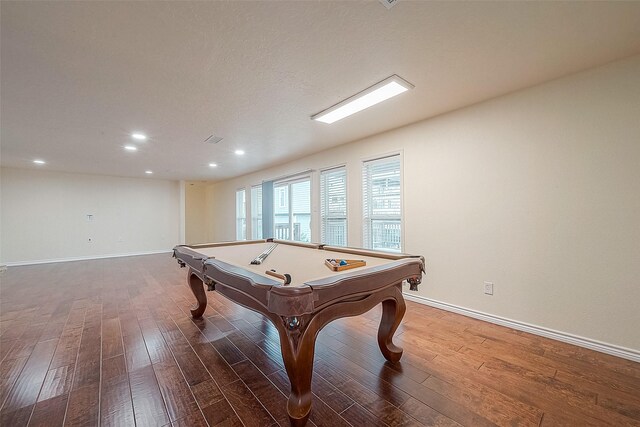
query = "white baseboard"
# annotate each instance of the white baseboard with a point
(614, 350)
(84, 258)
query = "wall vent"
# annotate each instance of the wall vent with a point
(212, 139)
(388, 3)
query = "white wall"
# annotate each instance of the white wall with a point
(44, 215)
(537, 191)
(195, 213)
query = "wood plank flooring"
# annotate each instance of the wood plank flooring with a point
(111, 342)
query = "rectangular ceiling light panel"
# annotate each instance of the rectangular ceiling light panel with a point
(388, 88)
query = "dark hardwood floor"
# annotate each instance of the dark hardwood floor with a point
(111, 342)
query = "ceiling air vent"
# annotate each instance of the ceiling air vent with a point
(213, 139)
(388, 3)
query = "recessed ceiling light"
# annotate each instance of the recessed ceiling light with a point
(213, 165)
(39, 162)
(239, 152)
(388, 88)
(139, 136)
(148, 172)
(131, 148)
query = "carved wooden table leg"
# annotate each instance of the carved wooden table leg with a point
(197, 287)
(392, 313)
(297, 340)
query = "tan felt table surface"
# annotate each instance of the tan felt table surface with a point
(303, 264)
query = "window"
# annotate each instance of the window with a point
(256, 212)
(292, 210)
(333, 206)
(381, 204)
(241, 215)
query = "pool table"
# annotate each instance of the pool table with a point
(301, 288)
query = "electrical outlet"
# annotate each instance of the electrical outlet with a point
(488, 288)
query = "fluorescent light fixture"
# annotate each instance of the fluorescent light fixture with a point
(148, 172)
(39, 162)
(388, 88)
(139, 136)
(213, 165)
(239, 152)
(131, 148)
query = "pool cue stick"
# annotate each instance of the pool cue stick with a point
(285, 277)
(258, 260)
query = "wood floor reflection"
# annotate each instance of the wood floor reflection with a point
(111, 342)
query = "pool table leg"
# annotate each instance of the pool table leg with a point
(297, 341)
(197, 287)
(392, 313)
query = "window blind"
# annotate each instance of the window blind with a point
(382, 208)
(256, 212)
(333, 206)
(241, 215)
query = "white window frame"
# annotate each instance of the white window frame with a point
(325, 215)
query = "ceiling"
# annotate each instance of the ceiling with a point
(78, 77)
